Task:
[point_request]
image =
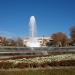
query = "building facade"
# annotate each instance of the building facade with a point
(42, 40)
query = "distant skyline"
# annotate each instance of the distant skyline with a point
(51, 16)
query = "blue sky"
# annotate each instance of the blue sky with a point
(51, 16)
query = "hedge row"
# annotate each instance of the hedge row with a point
(7, 65)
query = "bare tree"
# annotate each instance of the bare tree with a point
(2, 41)
(72, 34)
(59, 39)
(10, 42)
(19, 42)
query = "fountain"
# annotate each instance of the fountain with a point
(32, 42)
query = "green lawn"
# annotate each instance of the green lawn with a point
(40, 72)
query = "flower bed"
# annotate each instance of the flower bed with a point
(54, 60)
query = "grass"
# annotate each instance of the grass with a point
(68, 71)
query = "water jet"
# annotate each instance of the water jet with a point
(32, 41)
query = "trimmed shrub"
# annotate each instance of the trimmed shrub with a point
(22, 65)
(6, 65)
(34, 65)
